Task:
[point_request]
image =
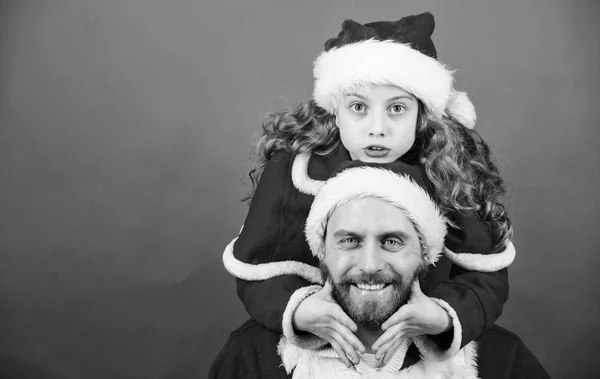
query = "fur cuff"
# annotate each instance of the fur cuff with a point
(310, 341)
(263, 271)
(300, 178)
(430, 350)
(483, 262)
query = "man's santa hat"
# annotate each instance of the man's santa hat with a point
(397, 183)
(399, 53)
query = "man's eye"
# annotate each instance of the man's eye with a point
(349, 242)
(398, 109)
(392, 244)
(358, 107)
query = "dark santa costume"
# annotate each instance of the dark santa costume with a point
(271, 258)
(254, 351)
(251, 353)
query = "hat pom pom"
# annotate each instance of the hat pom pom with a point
(461, 108)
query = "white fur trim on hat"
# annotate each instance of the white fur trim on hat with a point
(483, 262)
(343, 69)
(397, 189)
(461, 108)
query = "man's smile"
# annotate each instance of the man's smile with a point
(371, 287)
(363, 289)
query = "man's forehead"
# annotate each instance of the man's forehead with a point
(365, 215)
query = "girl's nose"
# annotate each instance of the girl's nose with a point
(377, 128)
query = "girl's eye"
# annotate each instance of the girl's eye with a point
(358, 107)
(397, 109)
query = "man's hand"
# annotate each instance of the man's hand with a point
(321, 316)
(420, 316)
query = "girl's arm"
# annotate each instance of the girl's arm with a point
(260, 244)
(278, 275)
(476, 297)
(267, 300)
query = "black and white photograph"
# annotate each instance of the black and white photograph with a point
(262, 189)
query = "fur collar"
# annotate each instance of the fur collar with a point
(324, 364)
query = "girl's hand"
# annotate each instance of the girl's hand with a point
(420, 316)
(321, 316)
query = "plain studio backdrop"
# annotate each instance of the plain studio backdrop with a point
(125, 132)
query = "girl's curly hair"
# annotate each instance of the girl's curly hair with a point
(457, 160)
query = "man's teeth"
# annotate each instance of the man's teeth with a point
(371, 287)
(375, 148)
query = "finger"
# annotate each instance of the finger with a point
(340, 316)
(403, 314)
(416, 290)
(386, 349)
(389, 335)
(341, 353)
(349, 338)
(412, 331)
(327, 287)
(390, 353)
(349, 349)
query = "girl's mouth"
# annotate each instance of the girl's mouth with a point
(376, 151)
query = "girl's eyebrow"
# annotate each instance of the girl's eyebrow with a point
(356, 95)
(407, 97)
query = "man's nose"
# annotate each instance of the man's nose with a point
(371, 260)
(378, 126)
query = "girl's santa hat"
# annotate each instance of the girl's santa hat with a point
(399, 53)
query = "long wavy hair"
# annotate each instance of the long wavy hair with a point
(456, 160)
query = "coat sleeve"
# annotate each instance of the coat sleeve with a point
(473, 299)
(259, 247)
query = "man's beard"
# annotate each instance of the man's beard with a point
(371, 313)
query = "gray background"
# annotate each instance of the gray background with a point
(125, 130)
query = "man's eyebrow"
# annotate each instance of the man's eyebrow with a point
(345, 233)
(394, 233)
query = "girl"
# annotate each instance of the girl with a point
(380, 95)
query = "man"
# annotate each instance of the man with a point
(376, 230)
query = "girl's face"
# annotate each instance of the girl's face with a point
(377, 123)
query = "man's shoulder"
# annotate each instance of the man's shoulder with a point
(502, 354)
(251, 327)
(251, 335)
(250, 352)
(502, 335)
